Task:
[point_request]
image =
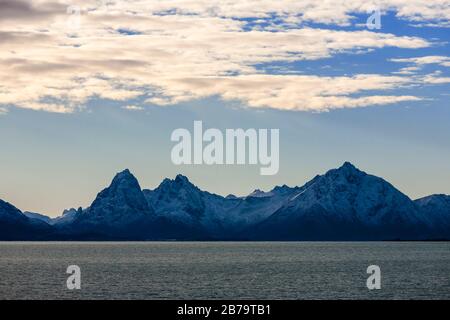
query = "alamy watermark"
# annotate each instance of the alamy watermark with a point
(74, 280)
(235, 146)
(374, 280)
(374, 20)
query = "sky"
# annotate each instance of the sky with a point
(89, 88)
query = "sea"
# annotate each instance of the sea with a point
(224, 270)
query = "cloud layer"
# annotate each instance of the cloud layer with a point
(57, 55)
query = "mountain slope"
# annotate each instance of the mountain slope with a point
(181, 202)
(68, 216)
(120, 210)
(345, 204)
(342, 204)
(38, 216)
(14, 225)
(436, 208)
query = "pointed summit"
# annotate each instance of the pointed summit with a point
(344, 203)
(347, 172)
(283, 189)
(260, 194)
(121, 203)
(124, 182)
(124, 175)
(180, 182)
(349, 168)
(125, 172)
(182, 179)
(124, 185)
(177, 198)
(348, 165)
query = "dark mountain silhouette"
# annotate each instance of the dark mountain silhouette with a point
(342, 204)
(436, 210)
(14, 225)
(346, 204)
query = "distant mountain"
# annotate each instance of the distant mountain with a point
(258, 206)
(436, 209)
(14, 225)
(181, 203)
(120, 210)
(38, 216)
(67, 217)
(260, 194)
(346, 204)
(343, 204)
(182, 209)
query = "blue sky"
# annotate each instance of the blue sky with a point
(82, 101)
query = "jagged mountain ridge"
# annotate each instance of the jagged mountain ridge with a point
(67, 217)
(181, 201)
(342, 204)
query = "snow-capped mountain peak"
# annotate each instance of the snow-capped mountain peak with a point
(346, 173)
(348, 166)
(342, 204)
(122, 203)
(281, 189)
(125, 177)
(182, 179)
(177, 198)
(345, 199)
(260, 194)
(180, 182)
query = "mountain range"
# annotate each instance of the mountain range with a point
(343, 204)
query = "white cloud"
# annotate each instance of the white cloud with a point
(129, 50)
(49, 107)
(133, 108)
(340, 12)
(440, 60)
(407, 70)
(417, 65)
(435, 78)
(288, 92)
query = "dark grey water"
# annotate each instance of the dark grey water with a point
(225, 270)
